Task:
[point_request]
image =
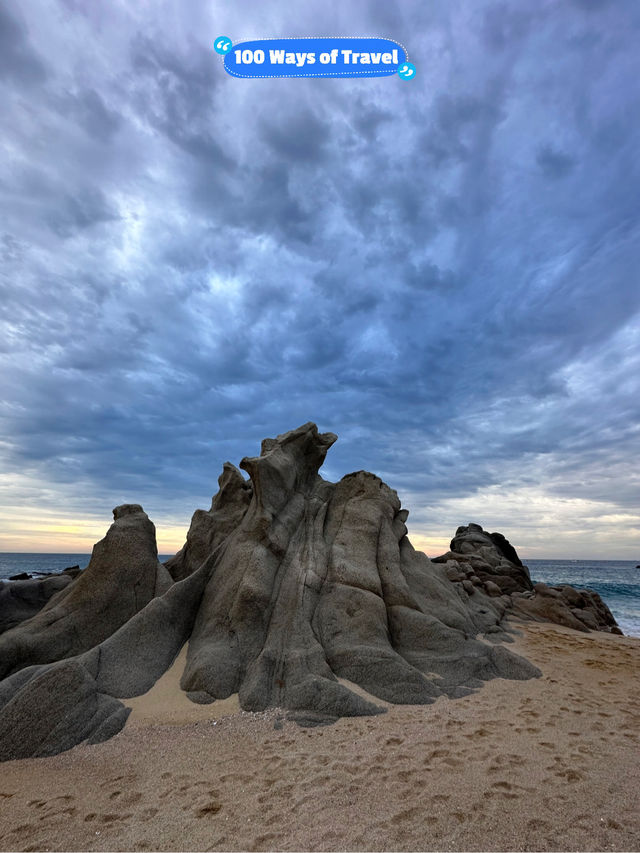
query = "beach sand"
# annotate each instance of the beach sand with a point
(547, 764)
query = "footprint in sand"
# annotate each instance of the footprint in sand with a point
(147, 814)
(261, 840)
(570, 775)
(538, 825)
(405, 775)
(303, 800)
(405, 815)
(124, 780)
(235, 777)
(209, 810)
(126, 798)
(441, 798)
(504, 785)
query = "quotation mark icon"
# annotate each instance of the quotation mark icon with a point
(407, 71)
(223, 45)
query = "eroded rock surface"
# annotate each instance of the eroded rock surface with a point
(288, 588)
(123, 575)
(317, 581)
(210, 528)
(22, 599)
(478, 559)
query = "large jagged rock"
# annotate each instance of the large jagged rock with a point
(210, 528)
(288, 589)
(318, 581)
(57, 709)
(489, 561)
(48, 708)
(489, 557)
(123, 575)
(581, 609)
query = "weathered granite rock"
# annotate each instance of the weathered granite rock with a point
(289, 583)
(488, 559)
(491, 557)
(210, 528)
(318, 581)
(123, 575)
(581, 609)
(22, 599)
(55, 710)
(48, 708)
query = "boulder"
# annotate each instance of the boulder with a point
(123, 575)
(580, 609)
(48, 708)
(57, 709)
(22, 599)
(497, 567)
(319, 581)
(492, 557)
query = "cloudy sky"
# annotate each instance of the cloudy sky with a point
(445, 272)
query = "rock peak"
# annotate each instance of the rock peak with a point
(127, 509)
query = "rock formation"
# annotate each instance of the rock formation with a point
(488, 561)
(22, 599)
(289, 589)
(210, 529)
(123, 575)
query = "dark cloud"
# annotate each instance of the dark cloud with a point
(92, 114)
(441, 272)
(19, 62)
(297, 137)
(554, 163)
(505, 24)
(79, 211)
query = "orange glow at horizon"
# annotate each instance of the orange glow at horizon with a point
(30, 533)
(539, 526)
(25, 531)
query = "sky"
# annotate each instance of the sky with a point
(443, 271)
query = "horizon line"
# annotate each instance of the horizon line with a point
(522, 559)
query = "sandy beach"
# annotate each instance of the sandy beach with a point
(546, 764)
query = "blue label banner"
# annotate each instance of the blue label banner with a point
(315, 57)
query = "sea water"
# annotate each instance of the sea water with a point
(617, 581)
(15, 564)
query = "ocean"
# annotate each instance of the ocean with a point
(15, 564)
(617, 581)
